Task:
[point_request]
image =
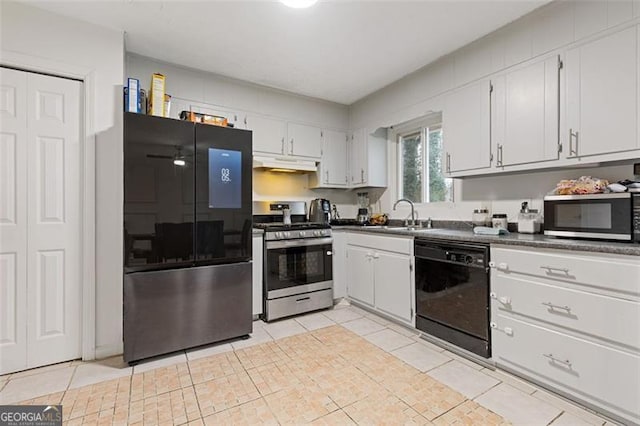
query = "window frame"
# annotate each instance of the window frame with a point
(423, 127)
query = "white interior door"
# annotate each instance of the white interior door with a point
(42, 255)
(13, 220)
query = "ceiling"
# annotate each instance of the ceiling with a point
(338, 50)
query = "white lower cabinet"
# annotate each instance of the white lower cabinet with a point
(360, 274)
(257, 253)
(380, 274)
(576, 332)
(393, 284)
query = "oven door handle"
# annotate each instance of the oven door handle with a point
(298, 243)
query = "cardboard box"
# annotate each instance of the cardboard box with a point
(132, 95)
(197, 117)
(156, 95)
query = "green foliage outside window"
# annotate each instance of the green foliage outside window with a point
(413, 161)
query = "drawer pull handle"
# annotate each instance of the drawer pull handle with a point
(505, 300)
(507, 330)
(553, 306)
(551, 270)
(303, 299)
(561, 361)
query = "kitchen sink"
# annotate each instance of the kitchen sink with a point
(401, 228)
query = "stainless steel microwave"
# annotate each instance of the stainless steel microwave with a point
(614, 216)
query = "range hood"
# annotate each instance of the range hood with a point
(284, 164)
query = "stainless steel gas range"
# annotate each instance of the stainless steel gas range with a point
(298, 272)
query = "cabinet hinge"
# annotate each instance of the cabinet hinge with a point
(412, 313)
(321, 134)
(491, 157)
(560, 64)
(559, 148)
(411, 267)
(490, 88)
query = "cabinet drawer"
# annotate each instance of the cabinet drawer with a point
(402, 245)
(596, 374)
(602, 271)
(604, 317)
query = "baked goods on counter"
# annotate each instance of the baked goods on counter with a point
(583, 185)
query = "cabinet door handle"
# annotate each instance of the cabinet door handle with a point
(448, 163)
(362, 175)
(573, 152)
(499, 160)
(552, 270)
(291, 146)
(565, 362)
(505, 300)
(326, 179)
(554, 306)
(507, 330)
(282, 145)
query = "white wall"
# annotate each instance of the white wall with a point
(188, 86)
(63, 43)
(549, 28)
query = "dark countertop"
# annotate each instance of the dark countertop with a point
(532, 240)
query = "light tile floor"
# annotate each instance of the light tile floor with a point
(337, 367)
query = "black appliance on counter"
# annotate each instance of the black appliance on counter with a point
(452, 293)
(298, 268)
(613, 216)
(187, 235)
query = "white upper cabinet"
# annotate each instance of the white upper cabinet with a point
(368, 158)
(466, 128)
(269, 135)
(357, 155)
(602, 96)
(332, 171)
(526, 120)
(304, 140)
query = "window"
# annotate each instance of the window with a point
(421, 175)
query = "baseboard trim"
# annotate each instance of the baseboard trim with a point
(109, 350)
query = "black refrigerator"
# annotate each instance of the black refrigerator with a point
(187, 235)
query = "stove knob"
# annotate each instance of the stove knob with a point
(278, 234)
(302, 234)
(287, 234)
(317, 233)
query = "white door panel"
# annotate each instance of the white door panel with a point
(40, 298)
(13, 224)
(53, 241)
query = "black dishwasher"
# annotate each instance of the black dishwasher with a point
(452, 293)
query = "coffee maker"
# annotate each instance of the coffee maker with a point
(320, 211)
(363, 208)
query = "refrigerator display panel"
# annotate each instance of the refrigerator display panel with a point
(225, 179)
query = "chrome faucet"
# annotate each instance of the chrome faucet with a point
(413, 216)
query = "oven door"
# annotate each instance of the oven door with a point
(298, 266)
